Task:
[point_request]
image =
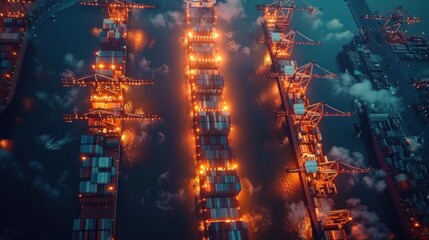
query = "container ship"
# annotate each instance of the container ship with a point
(218, 183)
(100, 148)
(13, 43)
(396, 150)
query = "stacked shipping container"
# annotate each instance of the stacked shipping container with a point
(218, 180)
(100, 148)
(11, 40)
(406, 174)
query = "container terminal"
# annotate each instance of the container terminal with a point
(398, 149)
(316, 171)
(217, 184)
(13, 43)
(100, 147)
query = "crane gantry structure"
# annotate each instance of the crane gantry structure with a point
(393, 21)
(316, 172)
(100, 147)
(14, 8)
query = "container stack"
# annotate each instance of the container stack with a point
(110, 59)
(100, 147)
(406, 174)
(219, 184)
(11, 40)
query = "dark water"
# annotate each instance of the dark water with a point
(155, 194)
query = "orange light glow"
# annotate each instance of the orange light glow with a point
(110, 188)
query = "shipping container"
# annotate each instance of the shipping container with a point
(211, 122)
(92, 229)
(220, 183)
(234, 230)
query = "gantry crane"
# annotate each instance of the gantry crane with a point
(14, 8)
(322, 175)
(281, 44)
(299, 78)
(278, 15)
(393, 20)
(117, 9)
(109, 114)
(314, 113)
(95, 79)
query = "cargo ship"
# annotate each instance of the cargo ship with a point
(13, 43)
(100, 148)
(218, 183)
(396, 150)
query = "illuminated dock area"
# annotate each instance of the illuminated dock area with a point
(316, 171)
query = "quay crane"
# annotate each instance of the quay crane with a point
(323, 174)
(117, 9)
(393, 21)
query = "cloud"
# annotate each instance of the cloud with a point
(168, 19)
(163, 69)
(145, 65)
(164, 177)
(318, 23)
(56, 101)
(344, 154)
(376, 180)
(249, 187)
(230, 9)
(137, 135)
(298, 219)
(259, 219)
(334, 24)
(233, 46)
(71, 61)
(229, 34)
(245, 51)
(52, 191)
(366, 224)
(340, 36)
(36, 166)
(297, 212)
(343, 84)
(33, 173)
(166, 199)
(378, 100)
(7, 162)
